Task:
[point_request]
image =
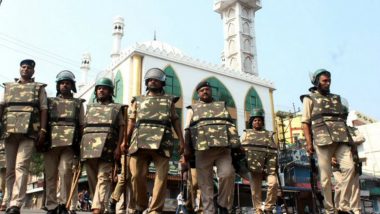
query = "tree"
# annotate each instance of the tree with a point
(37, 165)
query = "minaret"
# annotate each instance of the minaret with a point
(118, 32)
(239, 33)
(85, 67)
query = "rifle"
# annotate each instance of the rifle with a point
(282, 192)
(126, 163)
(355, 157)
(184, 189)
(317, 197)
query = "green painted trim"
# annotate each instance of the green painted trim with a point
(219, 92)
(119, 88)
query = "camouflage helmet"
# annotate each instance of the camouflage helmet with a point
(314, 77)
(155, 73)
(66, 75)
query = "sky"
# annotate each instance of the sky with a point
(293, 38)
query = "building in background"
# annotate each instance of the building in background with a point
(235, 80)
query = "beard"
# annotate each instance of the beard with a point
(154, 89)
(324, 91)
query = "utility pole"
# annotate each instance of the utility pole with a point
(282, 115)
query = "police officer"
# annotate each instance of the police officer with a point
(100, 145)
(66, 115)
(261, 152)
(212, 136)
(354, 200)
(151, 119)
(24, 113)
(123, 186)
(3, 199)
(325, 127)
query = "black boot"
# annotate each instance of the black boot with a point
(13, 210)
(53, 211)
(222, 210)
(111, 207)
(62, 209)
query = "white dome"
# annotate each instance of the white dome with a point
(161, 47)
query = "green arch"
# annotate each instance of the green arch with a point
(219, 92)
(173, 87)
(252, 101)
(119, 88)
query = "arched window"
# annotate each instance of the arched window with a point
(231, 29)
(231, 13)
(246, 29)
(118, 90)
(232, 46)
(173, 87)
(252, 101)
(248, 64)
(247, 45)
(220, 93)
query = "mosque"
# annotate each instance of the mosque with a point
(235, 80)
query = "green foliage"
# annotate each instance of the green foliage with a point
(37, 164)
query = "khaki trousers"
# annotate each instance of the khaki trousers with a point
(353, 201)
(194, 191)
(205, 161)
(19, 150)
(119, 188)
(7, 190)
(139, 168)
(58, 164)
(2, 184)
(99, 179)
(343, 155)
(256, 192)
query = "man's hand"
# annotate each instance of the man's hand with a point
(41, 138)
(124, 148)
(309, 149)
(117, 153)
(184, 164)
(75, 165)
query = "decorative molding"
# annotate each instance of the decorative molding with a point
(167, 52)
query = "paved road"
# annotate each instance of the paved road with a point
(39, 211)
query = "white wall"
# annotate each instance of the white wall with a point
(370, 148)
(190, 76)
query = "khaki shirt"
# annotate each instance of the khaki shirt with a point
(307, 108)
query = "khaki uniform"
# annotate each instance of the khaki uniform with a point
(121, 185)
(212, 135)
(100, 139)
(66, 117)
(354, 200)
(21, 100)
(261, 152)
(194, 191)
(2, 173)
(152, 141)
(323, 121)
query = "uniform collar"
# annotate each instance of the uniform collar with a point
(17, 80)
